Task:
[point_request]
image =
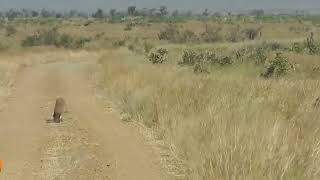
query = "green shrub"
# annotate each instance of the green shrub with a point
(189, 57)
(119, 43)
(219, 59)
(158, 56)
(53, 38)
(277, 67)
(201, 67)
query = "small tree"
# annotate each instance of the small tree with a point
(59, 15)
(163, 11)
(131, 10)
(34, 13)
(45, 13)
(12, 14)
(113, 12)
(98, 14)
(257, 12)
(206, 12)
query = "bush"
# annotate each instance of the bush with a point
(129, 26)
(187, 36)
(272, 46)
(251, 33)
(119, 43)
(211, 34)
(63, 41)
(235, 35)
(33, 40)
(258, 55)
(311, 45)
(170, 33)
(159, 56)
(10, 30)
(53, 38)
(201, 67)
(173, 34)
(189, 57)
(219, 59)
(279, 66)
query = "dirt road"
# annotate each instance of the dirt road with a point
(91, 143)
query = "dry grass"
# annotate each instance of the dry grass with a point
(107, 32)
(224, 125)
(8, 71)
(230, 124)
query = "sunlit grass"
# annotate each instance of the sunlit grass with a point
(225, 125)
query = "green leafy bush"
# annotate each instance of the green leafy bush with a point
(277, 67)
(158, 56)
(217, 58)
(189, 57)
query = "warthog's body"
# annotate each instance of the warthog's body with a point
(59, 109)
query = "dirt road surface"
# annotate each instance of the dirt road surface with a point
(91, 143)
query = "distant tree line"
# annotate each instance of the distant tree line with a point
(132, 11)
(44, 13)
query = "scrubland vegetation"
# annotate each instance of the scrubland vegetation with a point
(238, 96)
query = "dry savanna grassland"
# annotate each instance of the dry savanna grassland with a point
(231, 97)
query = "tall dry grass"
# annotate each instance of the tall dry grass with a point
(224, 125)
